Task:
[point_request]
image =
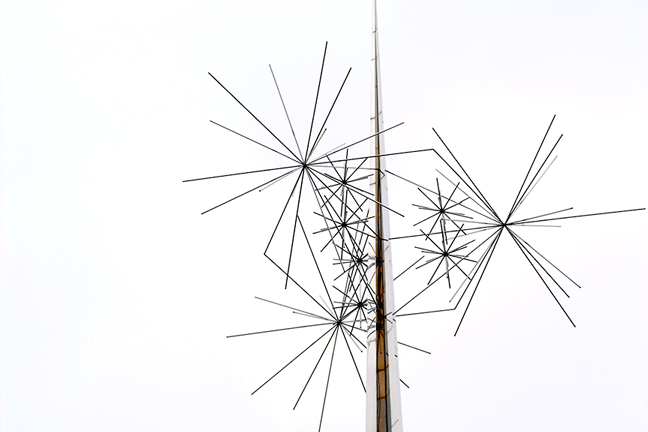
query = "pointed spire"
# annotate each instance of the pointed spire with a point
(383, 382)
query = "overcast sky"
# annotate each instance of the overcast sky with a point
(118, 294)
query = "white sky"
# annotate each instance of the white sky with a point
(118, 295)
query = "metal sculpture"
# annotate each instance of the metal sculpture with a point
(351, 305)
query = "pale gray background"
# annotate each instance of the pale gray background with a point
(118, 294)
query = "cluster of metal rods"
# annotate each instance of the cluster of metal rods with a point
(458, 234)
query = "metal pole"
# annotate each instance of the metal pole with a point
(383, 382)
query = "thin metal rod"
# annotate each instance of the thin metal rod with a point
(328, 380)
(530, 168)
(315, 368)
(300, 287)
(256, 142)
(320, 133)
(480, 195)
(293, 309)
(413, 347)
(550, 263)
(415, 262)
(244, 193)
(286, 111)
(585, 215)
(278, 330)
(534, 177)
(242, 173)
(542, 215)
(353, 358)
(535, 184)
(315, 261)
(377, 156)
(295, 358)
(319, 84)
(542, 279)
(346, 146)
(292, 241)
(255, 117)
(521, 246)
(494, 245)
(477, 195)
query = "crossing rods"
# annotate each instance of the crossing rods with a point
(367, 298)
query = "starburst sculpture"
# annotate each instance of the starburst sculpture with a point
(338, 314)
(308, 169)
(348, 303)
(471, 215)
(461, 238)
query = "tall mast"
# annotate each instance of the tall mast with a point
(383, 382)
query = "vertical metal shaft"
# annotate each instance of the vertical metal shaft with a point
(383, 382)
(383, 417)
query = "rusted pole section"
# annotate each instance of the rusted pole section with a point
(382, 348)
(383, 408)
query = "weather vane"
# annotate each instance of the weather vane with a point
(336, 218)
